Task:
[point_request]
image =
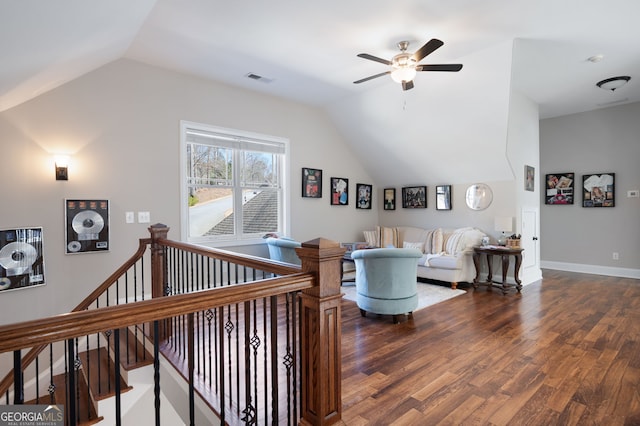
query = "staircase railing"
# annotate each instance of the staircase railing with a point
(238, 327)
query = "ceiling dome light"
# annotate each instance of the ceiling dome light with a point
(613, 83)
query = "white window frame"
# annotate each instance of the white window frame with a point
(235, 239)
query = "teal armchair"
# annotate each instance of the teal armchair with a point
(283, 249)
(386, 280)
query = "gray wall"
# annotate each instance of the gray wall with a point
(121, 124)
(584, 239)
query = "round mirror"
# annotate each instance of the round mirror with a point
(479, 196)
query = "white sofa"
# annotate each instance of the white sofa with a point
(447, 253)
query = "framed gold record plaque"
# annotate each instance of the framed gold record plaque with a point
(21, 258)
(87, 226)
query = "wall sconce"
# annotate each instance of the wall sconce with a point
(62, 167)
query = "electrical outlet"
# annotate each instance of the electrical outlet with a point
(129, 217)
(616, 255)
(634, 193)
(144, 217)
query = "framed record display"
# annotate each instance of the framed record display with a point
(21, 258)
(87, 226)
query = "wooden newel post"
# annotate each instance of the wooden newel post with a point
(321, 334)
(158, 267)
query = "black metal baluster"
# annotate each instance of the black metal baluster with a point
(18, 385)
(238, 361)
(190, 326)
(52, 386)
(156, 370)
(265, 355)
(220, 368)
(296, 306)
(71, 384)
(77, 363)
(37, 380)
(274, 359)
(100, 354)
(116, 349)
(249, 414)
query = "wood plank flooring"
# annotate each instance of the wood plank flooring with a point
(564, 352)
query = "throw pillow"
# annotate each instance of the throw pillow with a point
(419, 246)
(437, 241)
(371, 237)
(455, 242)
(388, 236)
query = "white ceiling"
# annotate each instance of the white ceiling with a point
(308, 50)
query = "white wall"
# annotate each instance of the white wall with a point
(523, 150)
(584, 239)
(121, 125)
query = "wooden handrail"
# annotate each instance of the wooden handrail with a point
(81, 323)
(142, 247)
(272, 266)
(33, 353)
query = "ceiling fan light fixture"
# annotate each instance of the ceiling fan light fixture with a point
(403, 74)
(613, 83)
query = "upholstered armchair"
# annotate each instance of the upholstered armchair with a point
(283, 249)
(386, 280)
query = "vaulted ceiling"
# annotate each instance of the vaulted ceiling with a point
(307, 52)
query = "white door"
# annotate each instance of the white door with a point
(530, 270)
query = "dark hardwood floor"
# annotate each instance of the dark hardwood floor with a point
(564, 352)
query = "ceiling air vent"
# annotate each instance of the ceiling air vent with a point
(257, 77)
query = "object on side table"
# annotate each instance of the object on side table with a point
(503, 224)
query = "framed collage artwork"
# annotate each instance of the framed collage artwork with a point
(598, 190)
(311, 183)
(339, 191)
(363, 194)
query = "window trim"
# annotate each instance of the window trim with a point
(236, 239)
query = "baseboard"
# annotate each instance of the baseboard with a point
(591, 269)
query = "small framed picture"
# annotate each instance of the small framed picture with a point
(311, 183)
(529, 178)
(389, 198)
(598, 190)
(363, 192)
(414, 197)
(559, 188)
(443, 197)
(339, 191)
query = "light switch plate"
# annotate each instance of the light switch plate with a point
(634, 193)
(129, 217)
(144, 217)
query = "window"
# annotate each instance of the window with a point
(233, 184)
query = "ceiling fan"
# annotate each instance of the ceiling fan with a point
(405, 65)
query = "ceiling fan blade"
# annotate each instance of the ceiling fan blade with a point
(374, 58)
(439, 67)
(427, 49)
(406, 85)
(372, 77)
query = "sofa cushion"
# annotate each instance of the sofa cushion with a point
(441, 261)
(416, 245)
